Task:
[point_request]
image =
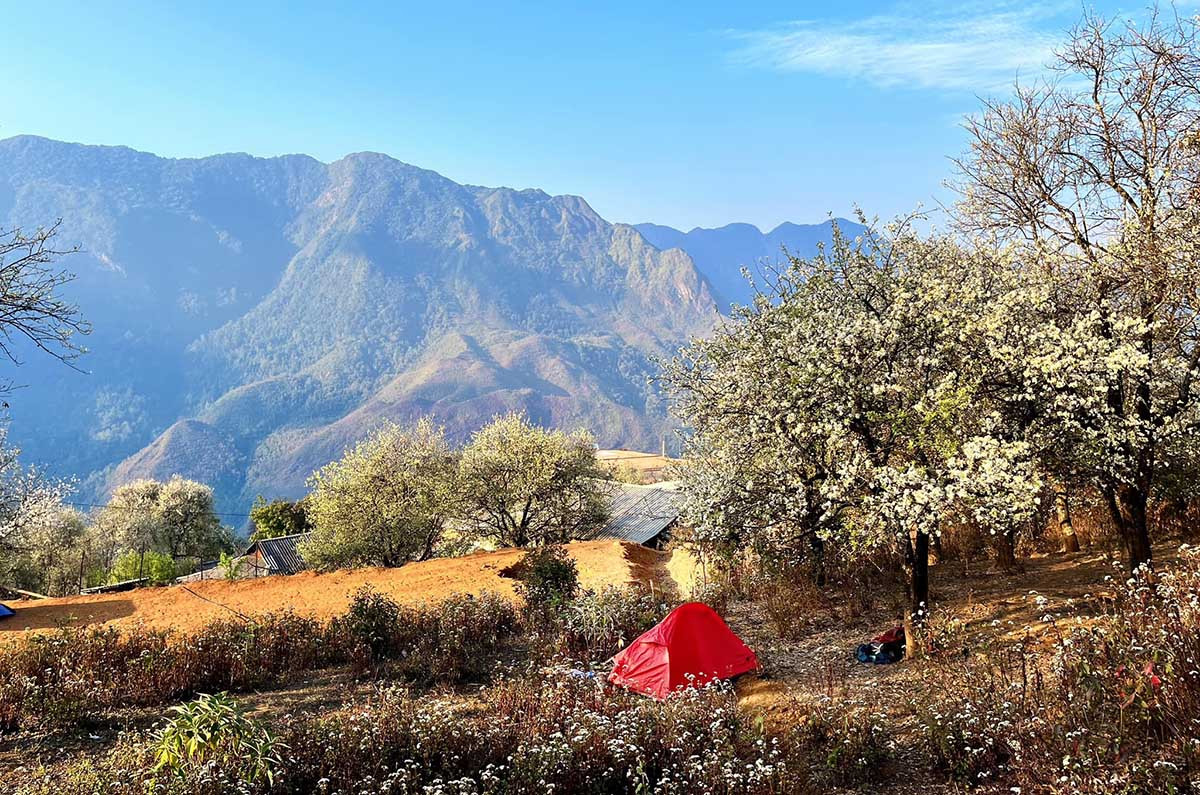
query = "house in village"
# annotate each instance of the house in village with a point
(643, 515)
(262, 558)
(275, 556)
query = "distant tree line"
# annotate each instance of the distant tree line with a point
(401, 494)
(148, 529)
(404, 493)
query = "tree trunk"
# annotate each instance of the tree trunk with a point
(1006, 552)
(919, 584)
(918, 590)
(910, 638)
(430, 541)
(1127, 506)
(1066, 529)
(818, 550)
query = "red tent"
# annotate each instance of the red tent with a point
(692, 645)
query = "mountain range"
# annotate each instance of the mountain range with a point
(253, 316)
(722, 254)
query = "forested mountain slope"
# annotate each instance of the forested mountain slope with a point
(252, 316)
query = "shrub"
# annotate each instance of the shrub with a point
(548, 578)
(371, 625)
(459, 639)
(453, 641)
(840, 744)
(528, 734)
(598, 624)
(58, 677)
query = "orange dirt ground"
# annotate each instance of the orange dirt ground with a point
(325, 595)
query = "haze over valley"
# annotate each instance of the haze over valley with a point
(254, 316)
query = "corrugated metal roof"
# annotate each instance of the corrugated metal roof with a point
(113, 587)
(280, 555)
(639, 513)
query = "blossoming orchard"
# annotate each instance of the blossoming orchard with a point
(1043, 350)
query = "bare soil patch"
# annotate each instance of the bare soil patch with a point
(190, 607)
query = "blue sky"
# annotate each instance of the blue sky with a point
(698, 114)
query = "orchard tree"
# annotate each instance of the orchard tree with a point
(130, 518)
(53, 547)
(29, 503)
(278, 517)
(386, 501)
(173, 519)
(525, 485)
(858, 402)
(98, 550)
(188, 527)
(1095, 176)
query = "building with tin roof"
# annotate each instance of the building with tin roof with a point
(641, 514)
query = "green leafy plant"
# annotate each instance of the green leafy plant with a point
(278, 518)
(215, 729)
(231, 567)
(154, 566)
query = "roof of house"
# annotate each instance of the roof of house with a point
(114, 587)
(639, 513)
(280, 554)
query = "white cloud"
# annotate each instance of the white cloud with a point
(972, 48)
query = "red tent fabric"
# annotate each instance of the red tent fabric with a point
(692, 645)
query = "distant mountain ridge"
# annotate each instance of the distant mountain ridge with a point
(721, 253)
(253, 316)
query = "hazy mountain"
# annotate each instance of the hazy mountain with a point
(254, 316)
(720, 254)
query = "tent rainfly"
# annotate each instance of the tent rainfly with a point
(6, 611)
(690, 647)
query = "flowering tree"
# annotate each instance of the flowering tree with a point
(524, 485)
(174, 519)
(52, 548)
(30, 503)
(386, 501)
(1095, 175)
(860, 400)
